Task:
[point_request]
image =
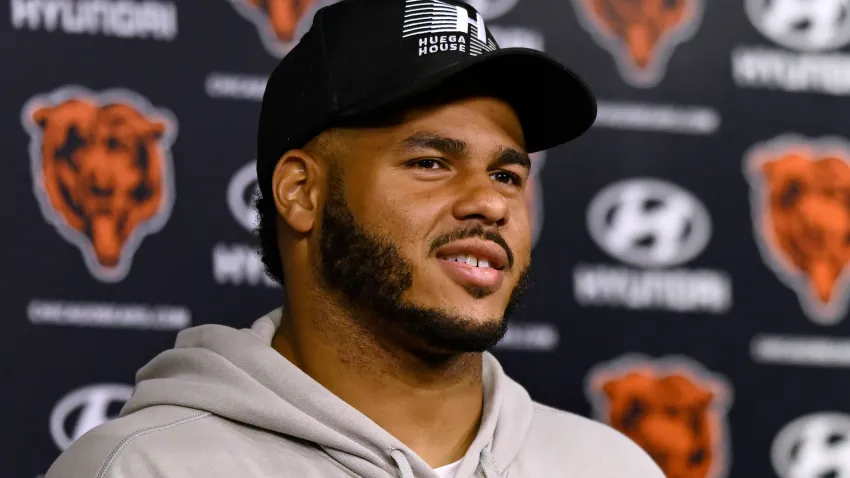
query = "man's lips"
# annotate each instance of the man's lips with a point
(489, 251)
(474, 262)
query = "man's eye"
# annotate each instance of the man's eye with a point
(428, 164)
(507, 177)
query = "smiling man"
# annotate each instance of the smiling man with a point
(392, 163)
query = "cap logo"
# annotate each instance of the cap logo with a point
(442, 26)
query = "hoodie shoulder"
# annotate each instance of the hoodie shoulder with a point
(112, 449)
(167, 441)
(573, 444)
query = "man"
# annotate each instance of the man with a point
(393, 156)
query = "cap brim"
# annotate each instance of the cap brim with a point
(553, 104)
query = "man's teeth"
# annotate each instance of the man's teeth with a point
(471, 260)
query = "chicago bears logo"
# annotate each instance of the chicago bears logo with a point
(102, 171)
(640, 34)
(800, 200)
(281, 23)
(671, 407)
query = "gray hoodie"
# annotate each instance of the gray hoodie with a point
(224, 404)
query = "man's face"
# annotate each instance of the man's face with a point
(427, 226)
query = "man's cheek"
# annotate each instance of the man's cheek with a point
(534, 196)
(534, 207)
(403, 219)
(524, 218)
(386, 216)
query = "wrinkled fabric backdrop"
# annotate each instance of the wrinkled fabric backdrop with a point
(690, 249)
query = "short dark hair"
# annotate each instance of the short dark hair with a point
(465, 86)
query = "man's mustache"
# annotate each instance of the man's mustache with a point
(476, 230)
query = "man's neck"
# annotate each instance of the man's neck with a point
(435, 409)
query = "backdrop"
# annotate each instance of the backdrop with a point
(690, 250)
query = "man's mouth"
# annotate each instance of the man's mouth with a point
(475, 252)
(474, 263)
(469, 260)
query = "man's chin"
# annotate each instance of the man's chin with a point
(448, 331)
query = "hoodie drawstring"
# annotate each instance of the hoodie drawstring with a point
(403, 465)
(488, 465)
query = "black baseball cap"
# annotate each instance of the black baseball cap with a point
(363, 56)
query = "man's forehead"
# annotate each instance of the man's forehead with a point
(477, 132)
(477, 122)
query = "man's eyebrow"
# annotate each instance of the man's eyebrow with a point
(512, 156)
(437, 142)
(459, 147)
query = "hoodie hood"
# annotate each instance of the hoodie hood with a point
(236, 374)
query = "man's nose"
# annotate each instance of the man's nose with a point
(481, 200)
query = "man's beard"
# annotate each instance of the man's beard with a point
(372, 273)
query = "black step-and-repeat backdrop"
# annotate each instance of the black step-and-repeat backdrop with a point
(691, 249)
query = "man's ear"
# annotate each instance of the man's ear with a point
(296, 189)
